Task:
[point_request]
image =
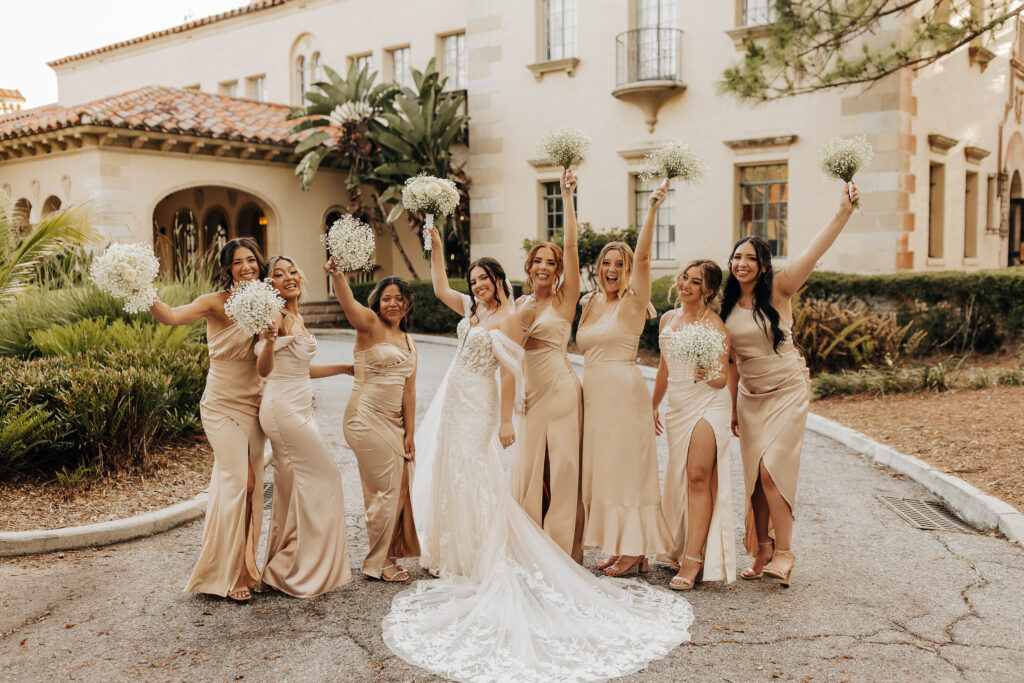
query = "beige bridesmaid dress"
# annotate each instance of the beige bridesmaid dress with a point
(230, 409)
(375, 431)
(307, 547)
(772, 404)
(690, 402)
(621, 500)
(551, 440)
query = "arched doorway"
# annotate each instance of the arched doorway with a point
(181, 238)
(51, 205)
(22, 216)
(1015, 247)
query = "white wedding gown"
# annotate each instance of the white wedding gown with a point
(509, 605)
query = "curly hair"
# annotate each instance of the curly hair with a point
(711, 283)
(404, 288)
(559, 262)
(495, 273)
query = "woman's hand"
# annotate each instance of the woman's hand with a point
(659, 195)
(410, 448)
(848, 198)
(270, 332)
(568, 183)
(659, 428)
(435, 236)
(506, 434)
(735, 424)
(700, 373)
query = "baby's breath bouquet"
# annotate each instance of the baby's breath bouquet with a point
(674, 160)
(350, 243)
(842, 158)
(127, 271)
(566, 147)
(696, 344)
(252, 304)
(433, 196)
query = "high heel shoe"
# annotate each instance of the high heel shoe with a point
(681, 583)
(748, 574)
(782, 576)
(608, 561)
(617, 569)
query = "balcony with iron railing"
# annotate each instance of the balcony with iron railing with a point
(649, 66)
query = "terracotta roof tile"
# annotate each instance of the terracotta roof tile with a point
(164, 110)
(240, 11)
(11, 94)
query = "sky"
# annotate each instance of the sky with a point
(38, 31)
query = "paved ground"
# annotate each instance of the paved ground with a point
(873, 598)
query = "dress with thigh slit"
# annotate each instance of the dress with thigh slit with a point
(689, 402)
(230, 411)
(375, 431)
(771, 404)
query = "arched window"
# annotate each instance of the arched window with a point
(185, 233)
(22, 213)
(252, 222)
(314, 68)
(51, 204)
(300, 79)
(215, 230)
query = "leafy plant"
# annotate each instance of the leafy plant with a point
(94, 334)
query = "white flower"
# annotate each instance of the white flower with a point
(566, 147)
(438, 196)
(695, 344)
(350, 112)
(127, 271)
(252, 305)
(351, 243)
(674, 160)
(843, 158)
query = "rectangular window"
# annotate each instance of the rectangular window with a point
(992, 202)
(454, 66)
(559, 29)
(656, 56)
(764, 204)
(228, 88)
(936, 209)
(971, 215)
(552, 204)
(401, 66)
(758, 12)
(364, 61)
(256, 88)
(664, 224)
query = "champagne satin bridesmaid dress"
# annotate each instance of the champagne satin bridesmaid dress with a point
(375, 431)
(307, 547)
(230, 411)
(772, 405)
(690, 402)
(552, 424)
(620, 458)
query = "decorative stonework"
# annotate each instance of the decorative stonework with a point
(976, 54)
(760, 143)
(568, 65)
(741, 35)
(941, 143)
(975, 154)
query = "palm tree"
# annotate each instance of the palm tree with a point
(21, 254)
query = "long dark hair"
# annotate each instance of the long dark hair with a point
(227, 254)
(497, 276)
(764, 313)
(404, 288)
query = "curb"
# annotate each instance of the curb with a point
(14, 543)
(973, 506)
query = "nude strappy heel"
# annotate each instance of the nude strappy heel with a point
(681, 583)
(748, 574)
(782, 576)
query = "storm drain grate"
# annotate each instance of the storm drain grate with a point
(926, 514)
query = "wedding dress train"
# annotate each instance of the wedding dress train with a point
(509, 605)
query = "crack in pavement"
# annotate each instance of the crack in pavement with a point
(370, 654)
(45, 614)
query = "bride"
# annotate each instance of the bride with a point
(510, 605)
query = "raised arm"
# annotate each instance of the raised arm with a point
(793, 277)
(641, 280)
(570, 289)
(204, 306)
(439, 276)
(359, 316)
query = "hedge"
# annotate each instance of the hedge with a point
(97, 411)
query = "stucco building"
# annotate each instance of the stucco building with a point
(183, 131)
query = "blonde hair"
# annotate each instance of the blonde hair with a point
(711, 283)
(272, 263)
(625, 282)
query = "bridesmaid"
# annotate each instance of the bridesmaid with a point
(307, 546)
(380, 419)
(548, 487)
(620, 459)
(697, 496)
(230, 411)
(769, 383)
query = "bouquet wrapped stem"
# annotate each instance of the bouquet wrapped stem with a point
(434, 197)
(843, 158)
(674, 160)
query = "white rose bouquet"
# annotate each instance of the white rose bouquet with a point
(565, 146)
(696, 344)
(252, 304)
(127, 271)
(433, 196)
(351, 244)
(674, 160)
(843, 158)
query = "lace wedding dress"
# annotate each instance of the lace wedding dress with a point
(509, 605)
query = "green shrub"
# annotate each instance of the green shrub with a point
(106, 408)
(95, 334)
(941, 376)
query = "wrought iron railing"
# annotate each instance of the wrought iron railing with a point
(648, 54)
